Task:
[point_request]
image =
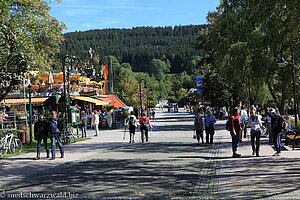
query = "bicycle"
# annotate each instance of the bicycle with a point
(10, 144)
(68, 135)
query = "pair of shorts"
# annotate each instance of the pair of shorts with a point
(132, 130)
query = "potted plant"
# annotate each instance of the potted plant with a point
(2, 115)
(22, 115)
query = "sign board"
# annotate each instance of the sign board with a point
(44, 94)
(199, 83)
(88, 94)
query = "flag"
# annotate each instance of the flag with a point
(106, 79)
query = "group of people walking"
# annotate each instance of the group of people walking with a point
(44, 129)
(208, 124)
(237, 127)
(96, 118)
(144, 123)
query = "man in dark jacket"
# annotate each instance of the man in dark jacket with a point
(41, 133)
(276, 126)
(199, 127)
(83, 123)
(56, 128)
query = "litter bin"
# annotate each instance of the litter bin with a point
(22, 136)
(22, 133)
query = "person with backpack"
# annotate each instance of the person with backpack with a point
(255, 123)
(210, 121)
(199, 127)
(144, 123)
(56, 129)
(132, 124)
(235, 131)
(276, 127)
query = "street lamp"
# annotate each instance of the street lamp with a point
(64, 77)
(149, 95)
(282, 63)
(30, 115)
(67, 91)
(141, 104)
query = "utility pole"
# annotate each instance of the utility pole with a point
(30, 115)
(112, 91)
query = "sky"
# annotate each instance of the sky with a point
(81, 15)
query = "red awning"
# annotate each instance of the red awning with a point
(109, 98)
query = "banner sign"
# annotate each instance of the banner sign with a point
(199, 85)
(88, 94)
(44, 94)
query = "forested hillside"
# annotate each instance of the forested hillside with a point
(138, 46)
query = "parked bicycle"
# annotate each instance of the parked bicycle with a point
(9, 143)
(68, 135)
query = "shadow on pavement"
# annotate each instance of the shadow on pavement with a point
(263, 177)
(163, 147)
(120, 177)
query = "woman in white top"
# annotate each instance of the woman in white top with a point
(96, 121)
(132, 124)
(255, 123)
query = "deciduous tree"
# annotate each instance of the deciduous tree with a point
(29, 37)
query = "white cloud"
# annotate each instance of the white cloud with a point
(100, 24)
(78, 12)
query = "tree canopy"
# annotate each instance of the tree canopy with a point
(29, 39)
(245, 40)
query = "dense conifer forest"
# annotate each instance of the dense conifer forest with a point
(138, 46)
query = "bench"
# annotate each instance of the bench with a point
(292, 136)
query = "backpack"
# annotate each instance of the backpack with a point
(278, 123)
(131, 122)
(243, 120)
(227, 126)
(144, 123)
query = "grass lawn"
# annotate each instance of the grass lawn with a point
(27, 148)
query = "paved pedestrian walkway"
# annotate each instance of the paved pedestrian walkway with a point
(24, 165)
(264, 177)
(171, 166)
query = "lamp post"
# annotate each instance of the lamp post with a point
(145, 87)
(66, 101)
(148, 100)
(66, 78)
(30, 115)
(282, 63)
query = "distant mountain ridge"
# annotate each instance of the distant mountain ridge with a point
(137, 46)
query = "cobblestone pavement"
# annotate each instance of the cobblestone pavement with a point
(170, 166)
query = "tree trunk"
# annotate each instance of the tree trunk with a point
(278, 104)
(283, 98)
(8, 90)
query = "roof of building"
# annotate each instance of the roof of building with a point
(109, 98)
